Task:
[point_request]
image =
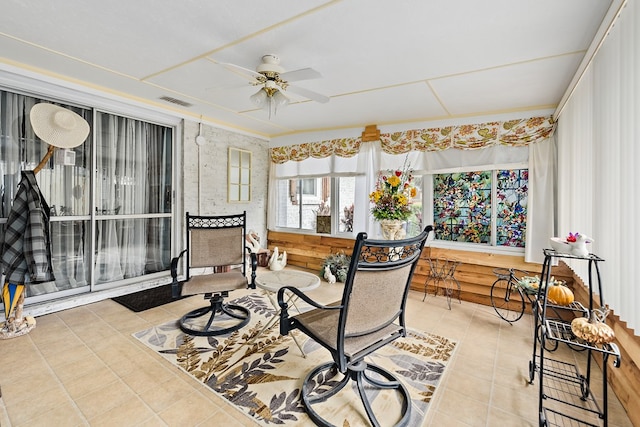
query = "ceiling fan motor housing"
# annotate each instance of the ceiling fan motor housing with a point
(270, 66)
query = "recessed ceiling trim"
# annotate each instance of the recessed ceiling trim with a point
(241, 39)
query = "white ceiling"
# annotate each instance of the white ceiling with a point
(381, 62)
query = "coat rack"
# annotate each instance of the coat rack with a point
(60, 128)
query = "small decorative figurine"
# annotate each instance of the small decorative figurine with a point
(253, 241)
(329, 277)
(574, 244)
(277, 261)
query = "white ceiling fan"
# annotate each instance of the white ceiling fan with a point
(275, 81)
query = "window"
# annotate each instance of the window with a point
(309, 187)
(483, 207)
(300, 200)
(486, 207)
(415, 223)
(345, 191)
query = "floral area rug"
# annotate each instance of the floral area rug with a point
(261, 372)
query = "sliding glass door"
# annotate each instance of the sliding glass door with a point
(133, 198)
(110, 197)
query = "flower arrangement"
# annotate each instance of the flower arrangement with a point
(393, 195)
(572, 238)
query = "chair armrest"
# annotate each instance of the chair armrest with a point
(303, 296)
(254, 266)
(285, 322)
(175, 285)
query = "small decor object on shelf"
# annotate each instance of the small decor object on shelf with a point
(574, 244)
(560, 295)
(593, 329)
(392, 199)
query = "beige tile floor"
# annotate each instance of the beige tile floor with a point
(83, 367)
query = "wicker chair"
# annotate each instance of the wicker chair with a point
(370, 315)
(215, 257)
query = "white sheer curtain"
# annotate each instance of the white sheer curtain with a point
(131, 181)
(542, 199)
(369, 163)
(108, 202)
(598, 155)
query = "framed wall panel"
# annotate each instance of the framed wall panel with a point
(239, 176)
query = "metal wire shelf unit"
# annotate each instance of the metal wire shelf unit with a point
(562, 382)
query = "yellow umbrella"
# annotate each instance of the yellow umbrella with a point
(10, 296)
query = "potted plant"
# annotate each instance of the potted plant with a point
(347, 221)
(338, 264)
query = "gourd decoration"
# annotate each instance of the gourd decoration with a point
(560, 294)
(593, 329)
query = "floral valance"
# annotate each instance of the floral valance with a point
(519, 132)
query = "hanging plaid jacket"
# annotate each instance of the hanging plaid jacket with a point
(26, 250)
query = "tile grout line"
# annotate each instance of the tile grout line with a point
(104, 363)
(52, 370)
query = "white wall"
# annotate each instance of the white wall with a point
(205, 175)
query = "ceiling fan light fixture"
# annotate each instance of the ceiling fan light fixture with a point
(269, 99)
(260, 99)
(280, 99)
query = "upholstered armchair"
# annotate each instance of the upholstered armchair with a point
(215, 264)
(370, 315)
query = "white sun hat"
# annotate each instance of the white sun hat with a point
(58, 126)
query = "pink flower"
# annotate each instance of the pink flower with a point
(572, 237)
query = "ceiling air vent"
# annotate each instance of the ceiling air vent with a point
(176, 101)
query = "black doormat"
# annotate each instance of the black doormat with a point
(149, 298)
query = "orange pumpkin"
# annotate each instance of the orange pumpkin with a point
(560, 295)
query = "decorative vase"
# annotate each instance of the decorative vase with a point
(577, 248)
(392, 229)
(323, 224)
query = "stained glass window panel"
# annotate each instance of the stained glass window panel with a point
(462, 206)
(511, 209)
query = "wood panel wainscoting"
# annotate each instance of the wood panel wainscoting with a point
(625, 381)
(475, 274)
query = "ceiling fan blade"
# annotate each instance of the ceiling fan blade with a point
(314, 96)
(301, 74)
(244, 72)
